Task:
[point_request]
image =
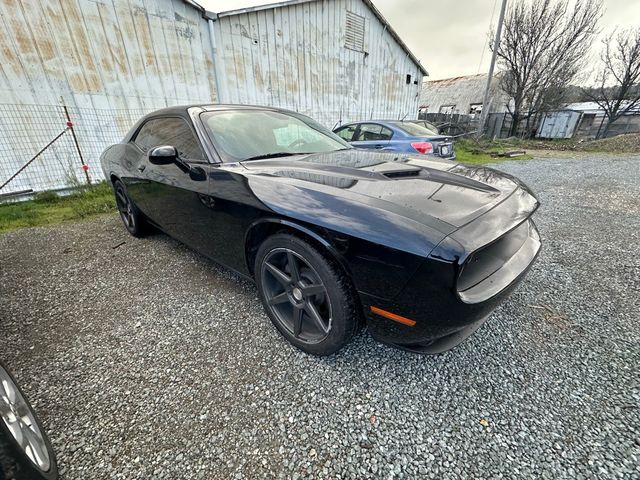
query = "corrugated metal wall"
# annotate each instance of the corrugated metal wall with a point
(295, 57)
(117, 54)
(111, 61)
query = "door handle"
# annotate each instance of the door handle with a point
(142, 167)
(379, 146)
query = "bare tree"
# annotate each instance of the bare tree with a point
(542, 50)
(618, 81)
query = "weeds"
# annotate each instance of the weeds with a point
(48, 207)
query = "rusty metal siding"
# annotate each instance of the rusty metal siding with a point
(109, 61)
(294, 56)
(118, 54)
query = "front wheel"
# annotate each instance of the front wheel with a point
(307, 296)
(25, 451)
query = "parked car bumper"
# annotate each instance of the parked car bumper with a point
(437, 315)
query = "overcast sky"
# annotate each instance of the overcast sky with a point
(449, 36)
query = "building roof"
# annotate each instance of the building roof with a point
(239, 11)
(454, 80)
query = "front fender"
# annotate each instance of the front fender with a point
(379, 249)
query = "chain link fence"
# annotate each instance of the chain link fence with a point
(54, 147)
(58, 147)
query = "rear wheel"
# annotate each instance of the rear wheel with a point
(25, 451)
(132, 218)
(307, 295)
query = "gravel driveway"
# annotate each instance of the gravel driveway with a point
(148, 361)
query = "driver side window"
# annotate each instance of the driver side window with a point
(170, 131)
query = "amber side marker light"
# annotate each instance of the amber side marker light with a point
(393, 316)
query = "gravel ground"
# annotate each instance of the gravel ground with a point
(148, 361)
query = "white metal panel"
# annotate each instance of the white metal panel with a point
(560, 124)
(294, 56)
(104, 53)
(104, 59)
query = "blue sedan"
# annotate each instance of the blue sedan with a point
(397, 136)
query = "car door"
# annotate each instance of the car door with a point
(372, 135)
(172, 195)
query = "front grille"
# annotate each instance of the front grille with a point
(488, 260)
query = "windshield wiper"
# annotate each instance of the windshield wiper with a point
(274, 155)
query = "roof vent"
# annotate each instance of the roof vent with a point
(354, 32)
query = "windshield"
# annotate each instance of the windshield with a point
(252, 134)
(415, 129)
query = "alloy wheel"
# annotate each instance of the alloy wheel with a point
(21, 422)
(125, 207)
(296, 295)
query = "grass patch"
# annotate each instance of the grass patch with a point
(627, 143)
(479, 151)
(48, 207)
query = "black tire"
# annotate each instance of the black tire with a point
(133, 219)
(15, 463)
(318, 312)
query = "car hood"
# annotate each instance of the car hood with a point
(439, 193)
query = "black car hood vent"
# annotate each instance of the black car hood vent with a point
(403, 173)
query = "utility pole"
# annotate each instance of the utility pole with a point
(496, 44)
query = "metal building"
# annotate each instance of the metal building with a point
(335, 60)
(110, 61)
(462, 95)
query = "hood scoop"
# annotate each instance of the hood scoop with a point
(441, 176)
(403, 173)
(341, 173)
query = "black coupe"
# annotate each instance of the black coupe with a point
(420, 249)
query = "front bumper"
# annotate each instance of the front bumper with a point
(444, 314)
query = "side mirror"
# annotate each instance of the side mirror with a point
(164, 155)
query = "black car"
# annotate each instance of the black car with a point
(25, 450)
(419, 248)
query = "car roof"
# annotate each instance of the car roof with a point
(210, 107)
(183, 111)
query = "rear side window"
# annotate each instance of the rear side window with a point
(373, 132)
(346, 133)
(169, 131)
(414, 129)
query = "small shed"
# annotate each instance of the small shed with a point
(586, 120)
